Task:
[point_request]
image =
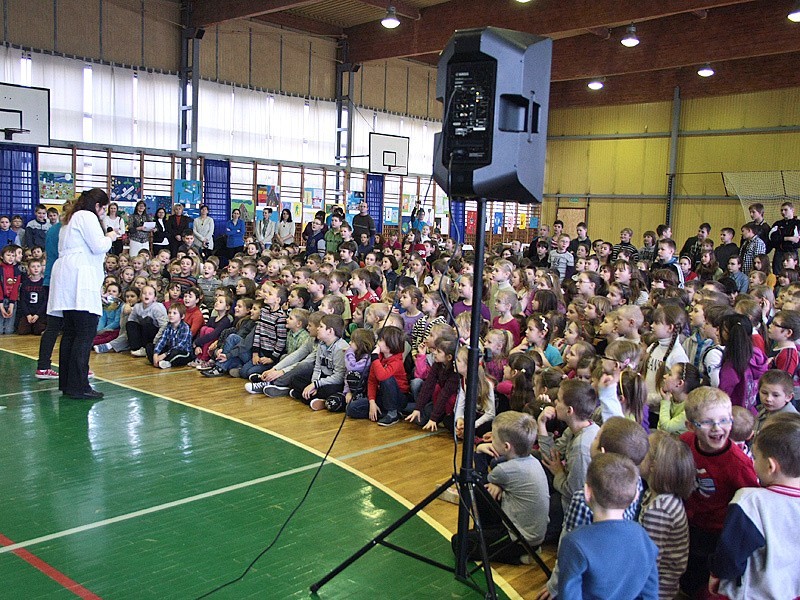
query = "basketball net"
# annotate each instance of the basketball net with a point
(770, 188)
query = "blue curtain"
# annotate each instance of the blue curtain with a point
(217, 192)
(19, 180)
(458, 220)
(374, 198)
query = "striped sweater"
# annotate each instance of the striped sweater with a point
(270, 336)
(664, 519)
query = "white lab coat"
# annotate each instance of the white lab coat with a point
(77, 277)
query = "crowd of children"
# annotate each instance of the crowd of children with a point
(617, 384)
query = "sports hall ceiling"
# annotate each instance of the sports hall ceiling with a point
(750, 44)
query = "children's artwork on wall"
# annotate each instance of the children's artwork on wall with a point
(246, 208)
(153, 203)
(297, 212)
(497, 223)
(407, 202)
(125, 189)
(268, 195)
(390, 215)
(440, 206)
(405, 225)
(56, 186)
(188, 192)
(314, 199)
(534, 222)
(353, 200)
(523, 221)
(472, 221)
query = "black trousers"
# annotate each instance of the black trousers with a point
(48, 342)
(80, 328)
(140, 334)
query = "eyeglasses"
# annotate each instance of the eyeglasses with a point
(711, 424)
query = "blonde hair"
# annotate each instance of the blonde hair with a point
(508, 340)
(702, 399)
(484, 387)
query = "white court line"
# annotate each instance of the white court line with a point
(31, 391)
(153, 509)
(187, 500)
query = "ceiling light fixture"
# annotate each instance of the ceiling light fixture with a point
(705, 70)
(596, 84)
(523, 1)
(794, 16)
(390, 21)
(630, 40)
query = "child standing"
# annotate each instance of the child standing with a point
(11, 281)
(669, 472)
(757, 550)
(33, 301)
(775, 390)
(587, 569)
(678, 383)
(387, 383)
(742, 362)
(174, 349)
(668, 322)
(721, 469)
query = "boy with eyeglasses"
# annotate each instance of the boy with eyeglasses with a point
(722, 469)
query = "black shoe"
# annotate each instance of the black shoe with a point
(90, 395)
(295, 395)
(213, 372)
(254, 377)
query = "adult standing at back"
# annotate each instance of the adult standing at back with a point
(114, 222)
(285, 233)
(363, 223)
(265, 229)
(138, 236)
(694, 245)
(75, 283)
(177, 225)
(784, 236)
(234, 229)
(203, 228)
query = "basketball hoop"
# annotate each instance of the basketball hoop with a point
(10, 132)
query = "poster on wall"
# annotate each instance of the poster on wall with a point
(188, 192)
(353, 200)
(408, 202)
(472, 221)
(314, 199)
(534, 222)
(440, 206)
(497, 223)
(523, 221)
(126, 189)
(405, 226)
(297, 212)
(56, 186)
(390, 215)
(153, 203)
(511, 222)
(268, 196)
(247, 209)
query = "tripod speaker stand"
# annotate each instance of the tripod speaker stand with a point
(495, 86)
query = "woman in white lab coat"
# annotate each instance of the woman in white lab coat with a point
(75, 287)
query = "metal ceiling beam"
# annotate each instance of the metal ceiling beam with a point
(566, 18)
(402, 9)
(301, 24)
(212, 12)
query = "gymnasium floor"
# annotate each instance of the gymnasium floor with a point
(171, 492)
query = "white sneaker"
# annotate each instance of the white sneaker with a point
(255, 388)
(164, 364)
(139, 353)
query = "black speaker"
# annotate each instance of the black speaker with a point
(495, 88)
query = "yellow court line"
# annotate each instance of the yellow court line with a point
(441, 529)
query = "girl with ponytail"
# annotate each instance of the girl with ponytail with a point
(742, 362)
(668, 323)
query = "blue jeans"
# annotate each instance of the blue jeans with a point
(233, 362)
(389, 399)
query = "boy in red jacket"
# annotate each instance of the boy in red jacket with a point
(387, 385)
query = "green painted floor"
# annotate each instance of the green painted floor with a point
(135, 496)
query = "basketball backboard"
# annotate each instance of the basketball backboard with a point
(24, 115)
(388, 154)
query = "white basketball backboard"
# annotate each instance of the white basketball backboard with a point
(24, 115)
(388, 154)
